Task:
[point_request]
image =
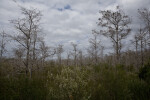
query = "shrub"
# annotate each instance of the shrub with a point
(22, 88)
(144, 73)
(138, 89)
(110, 84)
(71, 83)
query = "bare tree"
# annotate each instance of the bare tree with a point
(80, 57)
(102, 52)
(44, 52)
(59, 51)
(116, 28)
(135, 42)
(3, 41)
(145, 16)
(34, 50)
(141, 36)
(74, 53)
(94, 49)
(27, 28)
(68, 57)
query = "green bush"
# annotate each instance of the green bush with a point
(70, 83)
(100, 82)
(110, 84)
(144, 73)
(139, 89)
(22, 88)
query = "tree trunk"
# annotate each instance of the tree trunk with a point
(141, 52)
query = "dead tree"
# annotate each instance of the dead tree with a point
(80, 57)
(59, 51)
(27, 27)
(141, 36)
(94, 49)
(68, 57)
(145, 17)
(102, 52)
(74, 53)
(115, 26)
(3, 41)
(44, 52)
(135, 42)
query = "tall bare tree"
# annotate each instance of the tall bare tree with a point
(68, 57)
(59, 51)
(145, 16)
(74, 53)
(3, 41)
(135, 42)
(44, 52)
(27, 27)
(141, 36)
(102, 52)
(116, 27)
(80, 58)
(94, 49)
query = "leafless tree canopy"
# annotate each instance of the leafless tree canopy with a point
(115, 26)
(95, 47)
(28, 29)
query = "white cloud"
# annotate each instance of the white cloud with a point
(72, 24)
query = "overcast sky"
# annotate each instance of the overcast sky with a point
(66, 21)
